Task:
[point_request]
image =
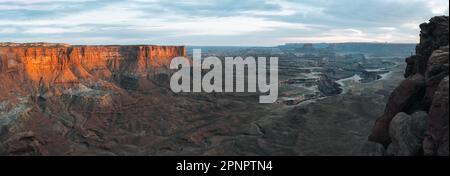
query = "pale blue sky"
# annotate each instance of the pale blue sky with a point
(215, 22)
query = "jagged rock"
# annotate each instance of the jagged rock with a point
(373, 149)
(437, 69)
(410, 61)
(433, 35)
(430, 65)
(403, 97)
(407, 133)
(437, 135)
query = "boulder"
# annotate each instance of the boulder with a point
(407, 133)
(436, 140)
(403, 97)
(437, 69)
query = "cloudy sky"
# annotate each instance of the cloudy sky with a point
(215, 22)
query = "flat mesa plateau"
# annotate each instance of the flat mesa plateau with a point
(58, 99)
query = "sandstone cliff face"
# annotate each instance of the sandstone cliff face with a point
(425, 89)
(58, 65)
(57, 98)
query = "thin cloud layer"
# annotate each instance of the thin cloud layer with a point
(215, 22)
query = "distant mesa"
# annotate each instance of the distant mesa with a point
(52, 94)
(57, 66)
(368, 48)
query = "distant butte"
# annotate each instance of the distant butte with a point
(54, 67)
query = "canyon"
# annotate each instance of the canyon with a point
(62, 99)
(59, 99)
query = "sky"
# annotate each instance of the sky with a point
(215, 22)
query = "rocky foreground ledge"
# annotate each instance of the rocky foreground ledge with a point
(416, 117)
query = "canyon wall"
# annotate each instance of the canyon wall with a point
(60, 65)
(416, 118)
(58, 99)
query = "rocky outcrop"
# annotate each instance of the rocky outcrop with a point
(404, 98)
(425, 89)
(407, 133)
(437, 69)
(433, 35)
(436, 141)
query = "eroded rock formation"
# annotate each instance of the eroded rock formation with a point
(425, 89)
(56, 99)
(53, 66)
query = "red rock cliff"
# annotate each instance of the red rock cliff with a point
(55, 98)
(51, 65)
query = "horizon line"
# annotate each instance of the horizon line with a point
(209, 45)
